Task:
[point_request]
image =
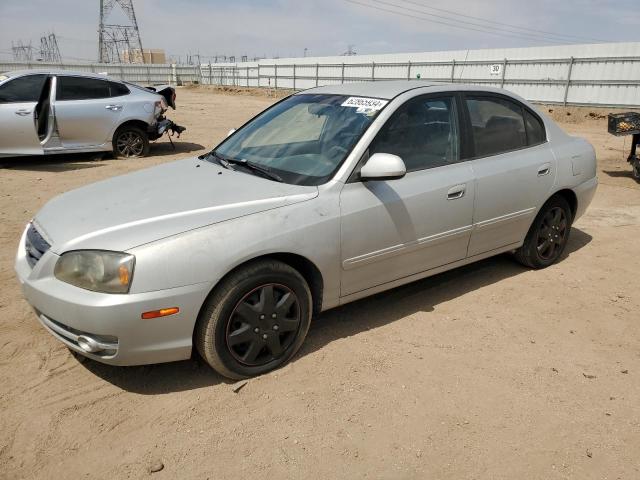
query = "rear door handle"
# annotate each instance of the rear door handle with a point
(114, 108)
(544, 169)
(22, 112)
(456, 192)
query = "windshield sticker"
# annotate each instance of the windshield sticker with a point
(3, 77)
(368, 106)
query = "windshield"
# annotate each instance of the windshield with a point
(304, 138)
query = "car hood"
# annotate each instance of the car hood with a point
(130, 210)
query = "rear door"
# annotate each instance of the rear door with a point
(86, 113)
(18, 101)
(514, 166)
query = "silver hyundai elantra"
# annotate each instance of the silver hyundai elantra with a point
(328, 196)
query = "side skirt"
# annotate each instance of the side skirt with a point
(428, 273)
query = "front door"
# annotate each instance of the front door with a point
(396, 228)
(85, 112)
(18, 109)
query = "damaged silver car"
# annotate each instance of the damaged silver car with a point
(48, 112)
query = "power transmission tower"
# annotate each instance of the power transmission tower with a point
(350, 51)
(119, 43)
(22, 52)
(49, 51)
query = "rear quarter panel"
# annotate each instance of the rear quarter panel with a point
(138, 105)
(577, 169)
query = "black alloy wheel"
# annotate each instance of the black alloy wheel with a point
(263, 325)
(552, 234)
(548, 235)
(255, 319)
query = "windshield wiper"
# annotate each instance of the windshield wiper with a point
(257, 168)
(221, 160)
(228, 161)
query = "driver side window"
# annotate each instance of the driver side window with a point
(22, 89)
(423, 132)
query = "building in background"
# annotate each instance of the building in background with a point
(148, 55)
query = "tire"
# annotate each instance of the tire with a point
(247, 327)
(130, 142)
(548, 235)
(635, 172)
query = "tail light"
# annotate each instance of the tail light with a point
(160, 107)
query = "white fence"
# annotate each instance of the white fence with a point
(594, 75)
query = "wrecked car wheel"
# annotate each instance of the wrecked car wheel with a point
(130, 142)
(255, 320)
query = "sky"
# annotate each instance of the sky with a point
(285, 28)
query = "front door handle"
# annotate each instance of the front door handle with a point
(544, 169)
(114, 108)
(456, 192)
(23, 111)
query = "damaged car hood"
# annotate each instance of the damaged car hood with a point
(130, 210)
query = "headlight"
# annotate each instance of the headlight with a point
(100, 271)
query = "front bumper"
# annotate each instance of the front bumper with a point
(114, 321)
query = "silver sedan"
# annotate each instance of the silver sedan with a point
(49, 111)
(326, 197)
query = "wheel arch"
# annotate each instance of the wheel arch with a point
(308, 269)
(141, 124)
(571, 198)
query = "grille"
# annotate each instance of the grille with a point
(35, 246)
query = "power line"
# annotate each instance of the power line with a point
(520, 27)
(474, 26)
(449, 19)
(490, 32)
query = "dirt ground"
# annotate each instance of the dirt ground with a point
(491, 371)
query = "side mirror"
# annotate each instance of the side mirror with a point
(231, 132)
(383, 166)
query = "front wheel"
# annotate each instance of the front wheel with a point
(548, 235)
(255, 320)
(130, 142)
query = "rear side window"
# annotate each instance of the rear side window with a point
(423, 132)
(117, 89)
(535, 129)
(497, 125)
(22, 89)
(80, 88)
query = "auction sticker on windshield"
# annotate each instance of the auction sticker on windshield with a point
(364, 104)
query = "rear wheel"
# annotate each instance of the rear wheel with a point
(635, 165)
(548, 235)
(130, 142)
(255, 320)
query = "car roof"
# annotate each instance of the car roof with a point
(58, 71)
(388, 89)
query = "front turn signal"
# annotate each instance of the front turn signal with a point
(164, 312)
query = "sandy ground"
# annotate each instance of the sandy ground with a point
(491, 371)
